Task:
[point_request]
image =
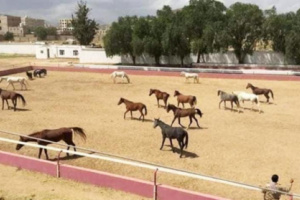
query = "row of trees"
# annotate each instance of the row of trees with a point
(205, 26)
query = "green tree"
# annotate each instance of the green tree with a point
(244, 28)
(293, 39)
(8, 36)
(51, 31)
(84, 28)
(41, 33)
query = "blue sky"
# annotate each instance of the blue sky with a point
(107, 11)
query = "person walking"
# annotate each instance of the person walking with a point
(270, 194)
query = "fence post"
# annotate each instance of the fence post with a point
(58, 166)
(155, 186)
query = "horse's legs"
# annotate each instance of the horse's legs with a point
(173, 120)
(125, 113)
(40, 152)
(177, 103)
(3, 103)
(157, 102)
(225, 104)
(182, 104)
(131, 114)
(171, 145)
(196, 121)
(163, 141)
(142, 115)
(231, 105)
(267, 96)
(220, 103)
(180, 123)
(46, 153)
(14, 101)
(190, 122)
(181, 146)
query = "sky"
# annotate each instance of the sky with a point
(107, 11)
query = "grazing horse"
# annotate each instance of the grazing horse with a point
(260, 91)
(5, 95)
(228, 97)
(54, 135)
(190, 75)
(189, 112)
(192, 100)
(120, 74)
(131, 106)
(243, 96)
(172, 133)
(40, 72)
(29, 75)
(160, 95)
(14, 79)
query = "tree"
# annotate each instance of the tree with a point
(84, 28)
(8, 36)
(41, 33)
(293, 39)
(244, 28)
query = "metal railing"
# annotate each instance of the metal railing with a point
(138, 163)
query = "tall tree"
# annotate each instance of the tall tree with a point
(41, 33)
(293, 39)
(84, 28)
(8, 36)
(244, 28)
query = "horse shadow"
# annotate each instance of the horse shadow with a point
(265, 102)
(232, 109)
(137, 119)
(185, 153)
(197, 128)
(254, 110)
(71, 157)
(19, 109)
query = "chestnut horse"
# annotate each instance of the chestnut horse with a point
(53, 135)
(260, 91)
(5, 95)
(131, 106)
(192, 100)
(160, 95)
(188, 112)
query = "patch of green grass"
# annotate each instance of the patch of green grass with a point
(4, 55)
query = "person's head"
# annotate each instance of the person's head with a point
(275, 178)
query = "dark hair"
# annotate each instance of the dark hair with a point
(275, 178)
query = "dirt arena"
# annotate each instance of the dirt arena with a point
(246, 147)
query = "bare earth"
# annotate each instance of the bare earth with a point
(246, 147)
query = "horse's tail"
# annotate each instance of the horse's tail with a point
(272, 94)
(198, 111)
(194, 100)
(145, 109)
(79, 131)
(19, 96)
(186, 139)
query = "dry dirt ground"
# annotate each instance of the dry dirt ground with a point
(246, 147)
(36, 186)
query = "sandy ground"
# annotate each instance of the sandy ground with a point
(17, 184)
(246, 147)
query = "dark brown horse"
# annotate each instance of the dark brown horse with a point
(53, 135)
(260, 91)
(5, 95)
(192, 100)
(160, 95)
(181, 112)
(131, 106)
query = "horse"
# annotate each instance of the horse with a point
(260, 91)
(228, 97)
(5, 95)
(14, 79)
(131, 106)
(53, 135)
(39, 72)
(192, 100)
(189, 112)
(190, 75)
(172, 133)
(29, 75)
(243, 96)
(160, 95)
(120, 74)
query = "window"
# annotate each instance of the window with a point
(42, 51)
(61, 52)
(75, 53)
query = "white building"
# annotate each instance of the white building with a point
(65, 25)
(58, 51)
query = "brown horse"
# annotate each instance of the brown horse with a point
(260, 91)
(192, 100)
(131, 106)
(160, 95)
(5, 95)
(53, 135)
(189, 112)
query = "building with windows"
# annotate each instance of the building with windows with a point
(65, 26)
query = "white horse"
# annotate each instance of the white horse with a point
(14, 79)
(120, 74)
(243, 96)
(190, 75)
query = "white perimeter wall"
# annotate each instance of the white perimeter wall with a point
(95, 55)
(17, 48)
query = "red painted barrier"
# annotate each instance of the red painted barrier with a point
(131, 185)
(15, 70)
